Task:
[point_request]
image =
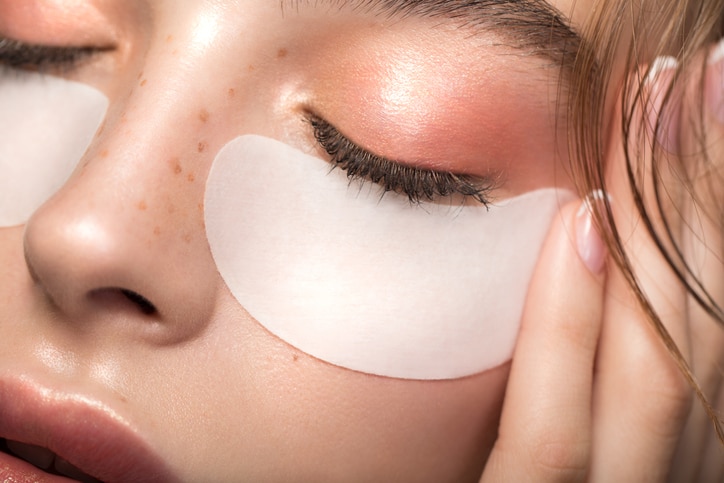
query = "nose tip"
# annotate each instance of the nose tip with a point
(92, 268)
(78, 265)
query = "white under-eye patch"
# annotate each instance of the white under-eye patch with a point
(370, 283)
(46, 124)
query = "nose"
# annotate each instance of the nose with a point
(121, 246)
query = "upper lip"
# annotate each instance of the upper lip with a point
(84, 432)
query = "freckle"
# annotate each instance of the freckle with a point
(175, 165)
(142, 206)
(191, 177)
(143, 82)
(251, 68)
(169, 38)
(231, 93)
(200, 207)
(281, 53)
(104, 153)
(187, 238)
(204, 115)
(140, 74)
(157, 231)
(295, 357)
(202, 146)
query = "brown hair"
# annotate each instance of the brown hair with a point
(682, 29)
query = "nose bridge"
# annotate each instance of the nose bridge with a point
(125, 234)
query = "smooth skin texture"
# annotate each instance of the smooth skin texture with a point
(215, 395)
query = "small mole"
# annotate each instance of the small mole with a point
(142, 206)
(175, 165)
(200, 207)
(140, 75)
(231, 93)
(143, 82)
(295, 357)
(281, 53)
(202, 146)
(191, 177)
(203, 115)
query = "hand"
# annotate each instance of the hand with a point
(594, 395)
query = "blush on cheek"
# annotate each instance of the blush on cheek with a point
(365, 282)
(46, 125)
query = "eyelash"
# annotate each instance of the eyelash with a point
(417, 184)
(17, 54)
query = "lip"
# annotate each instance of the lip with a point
(84, 432)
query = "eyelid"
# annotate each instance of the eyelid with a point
(416, 183)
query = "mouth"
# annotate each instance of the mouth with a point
(44, 464)
(52, 436)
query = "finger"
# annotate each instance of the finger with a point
(545, 429)
(641, 399)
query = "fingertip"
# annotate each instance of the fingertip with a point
(591, 248)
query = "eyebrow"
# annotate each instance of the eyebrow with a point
(533, 26)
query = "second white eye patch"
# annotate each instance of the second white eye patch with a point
(371, 283)
(46, 125)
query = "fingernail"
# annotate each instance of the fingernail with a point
(591, 248)
(715, 81)
(657, 84)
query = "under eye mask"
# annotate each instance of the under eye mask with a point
(46, 125)
(371, 283)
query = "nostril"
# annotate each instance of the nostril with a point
(121, 297)
(141, 302)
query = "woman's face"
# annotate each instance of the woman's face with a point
(185, 370)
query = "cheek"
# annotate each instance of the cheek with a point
(295, 418)
(46, 124)
(425, 430)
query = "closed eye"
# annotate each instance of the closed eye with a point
(417, 184)
(18, 54)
